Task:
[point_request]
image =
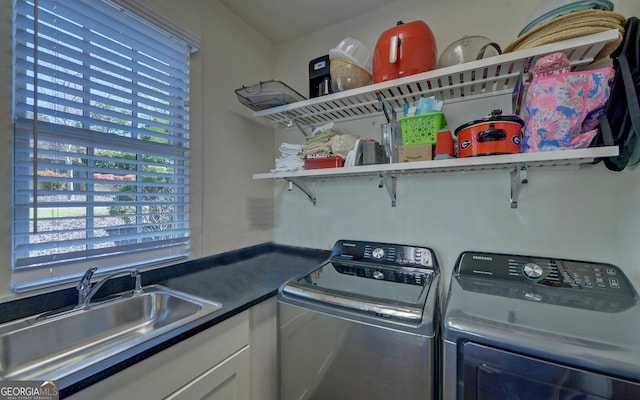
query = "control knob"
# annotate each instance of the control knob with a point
(378, 253)
(532, 271)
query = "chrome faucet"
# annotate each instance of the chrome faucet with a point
(84, 286)
(86, 291)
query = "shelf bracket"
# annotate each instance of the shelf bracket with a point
(518, 178)
(391, 186)
(293, 122)
(303, 189)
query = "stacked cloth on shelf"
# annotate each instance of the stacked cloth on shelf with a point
(330, 143)
(317, 144)
(290, 159)
(327, 140)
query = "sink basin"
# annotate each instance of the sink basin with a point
(61, 344)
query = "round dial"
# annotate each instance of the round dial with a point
(378, 253)
(378, 274)
(532, 271)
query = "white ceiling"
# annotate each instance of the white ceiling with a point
(283, 20)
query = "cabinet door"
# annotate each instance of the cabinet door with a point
(228, 380)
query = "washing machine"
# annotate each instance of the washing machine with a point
(530, 328)
(363, 325)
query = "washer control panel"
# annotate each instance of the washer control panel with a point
(566, 282)
(587, 277)
(384, 254)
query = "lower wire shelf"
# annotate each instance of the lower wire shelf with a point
(517, 164)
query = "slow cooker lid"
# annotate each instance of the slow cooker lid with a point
(495, 116)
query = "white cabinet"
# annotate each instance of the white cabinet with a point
(228, 380)
(251, 373)
(213, 362)
(233, 360)
(470, 81)
(263, 341)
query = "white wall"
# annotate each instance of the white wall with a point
(585, 213)
(628, 233)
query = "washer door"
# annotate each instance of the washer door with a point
(492, 374)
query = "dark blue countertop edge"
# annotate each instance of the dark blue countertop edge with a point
(40, 303)
(182, 276)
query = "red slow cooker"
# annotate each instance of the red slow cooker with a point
(495, 134)
(406, 49)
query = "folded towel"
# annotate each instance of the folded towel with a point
(288, 163)
(317, 147)
(291, 149)
(321, 138)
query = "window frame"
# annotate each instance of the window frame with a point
(25, 276)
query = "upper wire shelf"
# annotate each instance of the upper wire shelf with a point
(482, 78)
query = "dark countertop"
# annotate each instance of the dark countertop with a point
(248, 281)
(238, 279)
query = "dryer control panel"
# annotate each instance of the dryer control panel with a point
(574, 283)
(384, 254)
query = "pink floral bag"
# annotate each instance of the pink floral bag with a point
(562, 107)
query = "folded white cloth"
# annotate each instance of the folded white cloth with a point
(288, 163)
(290, 148)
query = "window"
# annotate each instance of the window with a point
(101, 141)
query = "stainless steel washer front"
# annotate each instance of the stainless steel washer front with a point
(530, 328)
(361, 326)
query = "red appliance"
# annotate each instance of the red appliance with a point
(404, 50)
(494, 134)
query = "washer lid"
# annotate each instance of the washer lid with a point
(396, 293)
(380, 278)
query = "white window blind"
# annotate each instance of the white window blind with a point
(101, 141)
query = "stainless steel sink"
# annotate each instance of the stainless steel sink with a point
(57, 345)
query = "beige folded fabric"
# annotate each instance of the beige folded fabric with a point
(572, 25)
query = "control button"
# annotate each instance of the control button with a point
(426, 259)
(613, 282)
(532, 271)
(611, 271)
(378, 253)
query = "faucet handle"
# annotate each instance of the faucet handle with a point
(138, 277)
(85, 282)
